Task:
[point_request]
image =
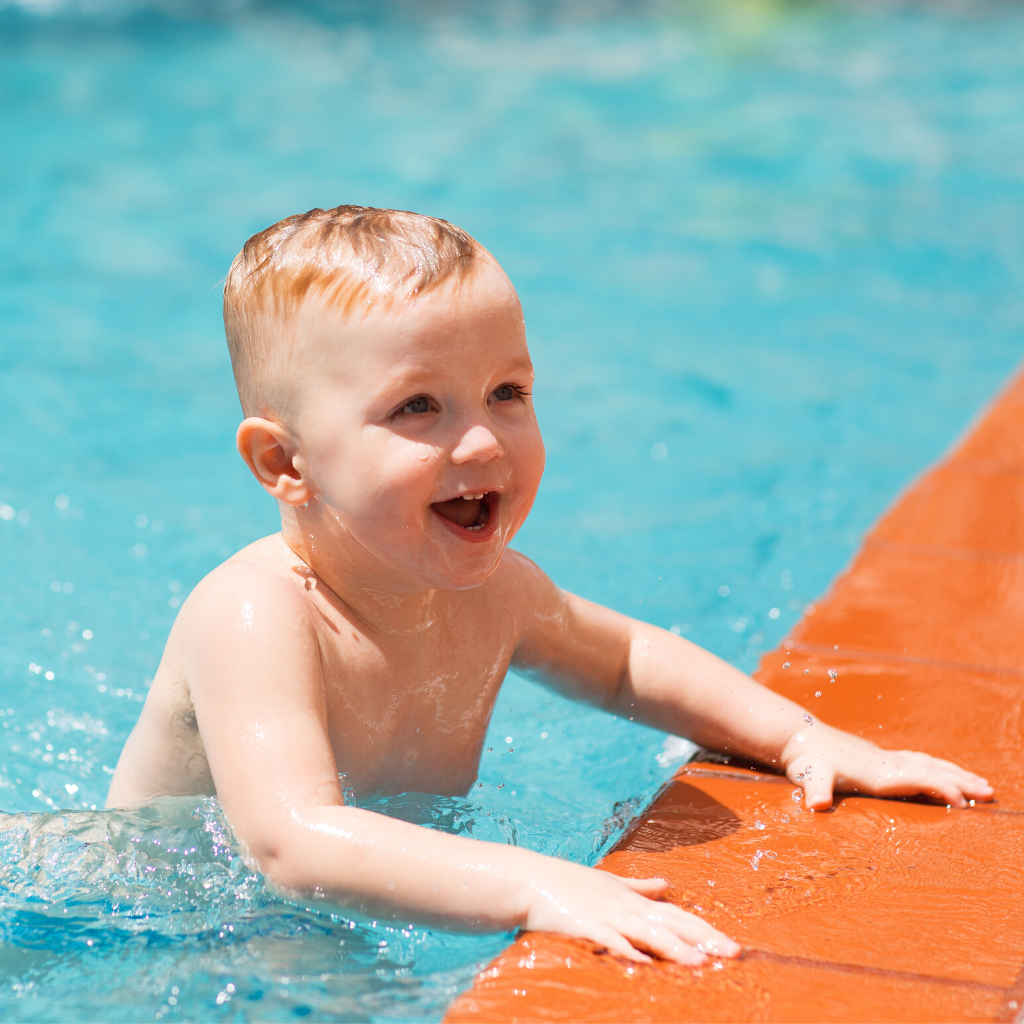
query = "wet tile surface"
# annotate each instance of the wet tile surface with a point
(554, 979)
(898, 602)
(974, 718)
(851, 885)
(878, 910)
(957, 509)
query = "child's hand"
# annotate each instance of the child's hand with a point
(821, 759)
(620, 914)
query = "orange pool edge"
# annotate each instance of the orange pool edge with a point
(878, 910)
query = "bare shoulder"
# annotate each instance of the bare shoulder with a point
(265, 570)
(254, 600)
(243, 643)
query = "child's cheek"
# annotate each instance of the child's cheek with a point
(409, 479)
(530, 466)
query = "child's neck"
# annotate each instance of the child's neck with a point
(313, 538)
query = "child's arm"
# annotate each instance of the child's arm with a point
(259, 701)
(644, 673)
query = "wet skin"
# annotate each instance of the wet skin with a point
(372, 634)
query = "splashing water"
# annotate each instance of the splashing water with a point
(163, 899)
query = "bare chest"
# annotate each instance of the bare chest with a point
(411, 716)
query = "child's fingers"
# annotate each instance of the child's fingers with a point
(969, 782)
(817, 794)
(618, 945)
(944, 786)
(655, 937)
(974, 786)
(652, 888)
(950, 766)
(693, 930)
(701, 935)
(817, 784)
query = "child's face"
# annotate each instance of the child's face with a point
(403, 414)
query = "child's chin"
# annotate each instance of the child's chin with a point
(471, 573)
(468, 581)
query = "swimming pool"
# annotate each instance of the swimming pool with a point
(771, 261)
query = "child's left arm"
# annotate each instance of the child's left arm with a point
(644, 673)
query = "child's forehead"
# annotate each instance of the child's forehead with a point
(479, 314)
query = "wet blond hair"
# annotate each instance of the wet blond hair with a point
(354, 258)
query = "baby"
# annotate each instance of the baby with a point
(383, 370)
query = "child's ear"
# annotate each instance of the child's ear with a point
(270, 453)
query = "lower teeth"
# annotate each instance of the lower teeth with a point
(485, 514)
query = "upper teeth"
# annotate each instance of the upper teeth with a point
(472, 497)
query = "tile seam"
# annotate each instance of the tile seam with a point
(983, 467)
(978, 467)
(953, 553)
(1012, 1009)
(861, 654)
(883, 972)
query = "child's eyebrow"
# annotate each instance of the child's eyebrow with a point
(409, 380)
(520, 364)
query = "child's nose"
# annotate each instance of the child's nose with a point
(478, 444)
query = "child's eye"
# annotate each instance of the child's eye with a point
(509, 393)
(419, 404)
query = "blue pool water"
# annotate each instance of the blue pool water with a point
(771, 256)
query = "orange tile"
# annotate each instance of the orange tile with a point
(894, 705)
(963, 611)
(867, 884)
(959, 509)
(555, 979)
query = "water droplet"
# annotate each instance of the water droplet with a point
(798, 795)
(759, 824)
(785, 664)
(808, 719)
(817, 693)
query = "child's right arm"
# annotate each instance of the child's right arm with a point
(259, 700)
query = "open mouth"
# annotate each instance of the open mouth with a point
(471, 513)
